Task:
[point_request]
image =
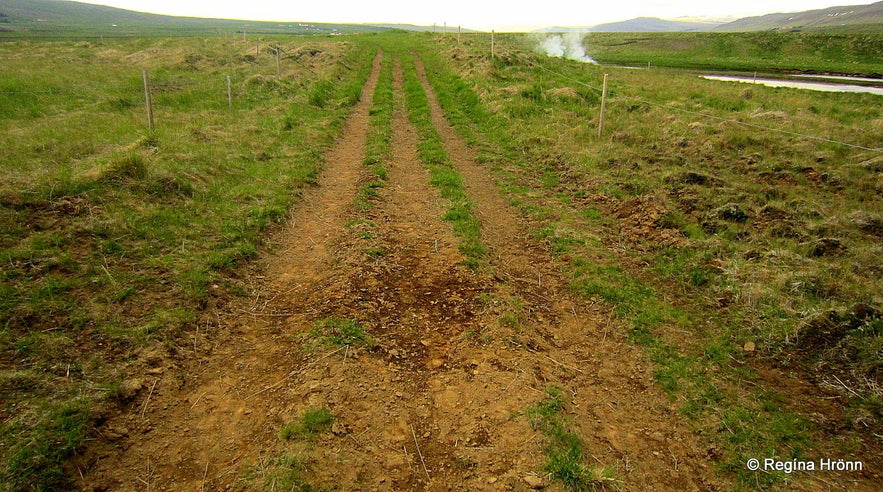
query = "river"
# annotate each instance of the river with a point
(799, 84)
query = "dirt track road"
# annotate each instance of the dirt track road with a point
(437, 401)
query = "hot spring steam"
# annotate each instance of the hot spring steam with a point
(569, 45)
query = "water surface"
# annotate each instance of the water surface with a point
(796, 84)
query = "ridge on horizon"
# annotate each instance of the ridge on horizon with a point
(48, 16)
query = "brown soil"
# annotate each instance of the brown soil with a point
(436, 400)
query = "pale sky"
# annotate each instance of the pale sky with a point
(503, 15)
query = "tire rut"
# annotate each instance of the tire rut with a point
(436, 399)
(204, 424)
(623, 417)
(424, 407)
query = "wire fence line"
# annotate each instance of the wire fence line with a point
(221, 86)
(163, 89)
(715, 117)
(133, 87)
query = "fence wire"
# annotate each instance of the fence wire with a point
(715, 117)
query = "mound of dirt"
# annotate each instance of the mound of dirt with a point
(731, 212)
(826, 246)
(564, 93)
(829, 339)
(642, 223)
(869, 223)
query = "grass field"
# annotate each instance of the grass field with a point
(118, 242)
(857, 54)
(742, 258)
(724, 249)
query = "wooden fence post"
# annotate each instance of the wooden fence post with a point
(492, 45)
(603, 107)
(458, 34)
(229, 94)
(149, 100)
(278, 65)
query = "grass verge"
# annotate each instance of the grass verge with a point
(116, 241)
(700, 236)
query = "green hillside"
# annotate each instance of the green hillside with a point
(61, 18)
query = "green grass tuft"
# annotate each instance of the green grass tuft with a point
(36, 463)
(286, 473)
(340, 332)
(313, 422)
(564, 451)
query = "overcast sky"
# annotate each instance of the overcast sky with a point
(476, 14)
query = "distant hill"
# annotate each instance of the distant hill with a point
(652, 24)
(856, 18)
(640, 24)
(412, 27)
(49, 18)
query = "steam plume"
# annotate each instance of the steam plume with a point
(569, 45)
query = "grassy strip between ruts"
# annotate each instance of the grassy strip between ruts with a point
(586, 192)
(115, 241)
(379, 139)
(431, 152)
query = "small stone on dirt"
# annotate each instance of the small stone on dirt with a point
(114, 433)
(338, 429)
(130, 387)
(749, 347)
(867, 222)
(534, 482)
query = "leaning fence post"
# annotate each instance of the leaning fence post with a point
(148, 100)
(603, 107)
